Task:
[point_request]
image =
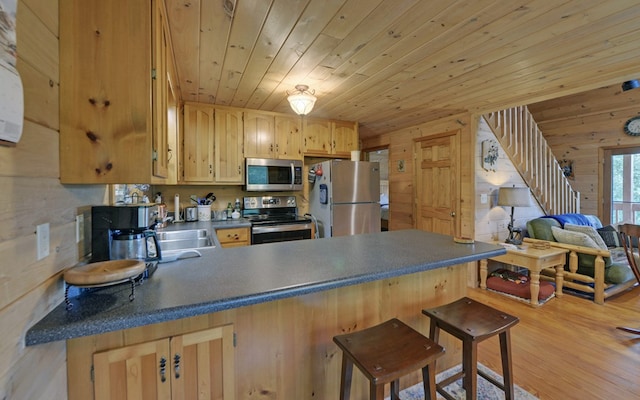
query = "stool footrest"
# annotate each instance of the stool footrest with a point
(491, 379)
(444, 393)
(451, 379)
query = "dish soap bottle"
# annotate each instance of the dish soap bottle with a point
(229, 210)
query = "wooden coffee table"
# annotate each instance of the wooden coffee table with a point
(535, 260)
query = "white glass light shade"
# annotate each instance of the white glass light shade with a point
(302, 101)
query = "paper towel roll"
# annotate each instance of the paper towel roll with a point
(355, 155)
(176, 208)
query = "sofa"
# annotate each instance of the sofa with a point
(596, 263)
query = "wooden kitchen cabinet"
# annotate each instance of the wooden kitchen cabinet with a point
(197, 365)
(229, 141)
(329, 138)
(113, 91)
(197, 143)
(344, 138)
(270, 135)
(212, 145)
(288, 137)
(234, 237)
(259, 134)
(316, 135)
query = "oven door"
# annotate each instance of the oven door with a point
(280, 233)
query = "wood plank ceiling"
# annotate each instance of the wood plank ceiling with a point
(390, 64)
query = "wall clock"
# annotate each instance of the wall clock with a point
(632, 127)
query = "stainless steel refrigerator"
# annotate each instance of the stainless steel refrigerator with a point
(345, 198)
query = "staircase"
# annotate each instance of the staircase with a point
(523, 142)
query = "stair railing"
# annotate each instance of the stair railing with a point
(522, 141)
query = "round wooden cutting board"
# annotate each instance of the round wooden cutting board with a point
(104, 272)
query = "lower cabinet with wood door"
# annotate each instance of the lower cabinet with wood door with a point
(234, 237)
(196, 365)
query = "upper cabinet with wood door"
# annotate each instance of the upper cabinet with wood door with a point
(197, 143)
(113, 91)
(344, 138)
(212, 145)
(329, 138)
(229, 160)
(270, 135)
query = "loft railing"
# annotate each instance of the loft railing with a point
(523, 142)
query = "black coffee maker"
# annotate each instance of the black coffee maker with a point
(124, 231)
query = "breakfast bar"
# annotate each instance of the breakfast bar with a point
(284, 302)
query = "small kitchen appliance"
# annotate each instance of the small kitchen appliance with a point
(275, 219)
(125, 232)
(264, 174)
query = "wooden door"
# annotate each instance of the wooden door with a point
(259, 135)
(229, 139)
(202, 365)
(288, 137)
(160, 135)
(344, 137)
(316, 134)
(437, 181)
(198, 143)
(133, 372)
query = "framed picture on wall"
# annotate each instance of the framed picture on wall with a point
(489, 155)
(567, 168)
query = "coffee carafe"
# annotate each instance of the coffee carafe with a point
(135, 244)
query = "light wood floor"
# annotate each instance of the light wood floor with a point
(569, 348)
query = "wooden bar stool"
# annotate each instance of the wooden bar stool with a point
(384, 353)
(473, 322)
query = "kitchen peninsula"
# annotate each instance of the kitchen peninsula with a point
(285, 302)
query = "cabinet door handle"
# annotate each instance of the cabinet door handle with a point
(176, 365)
(163, 369)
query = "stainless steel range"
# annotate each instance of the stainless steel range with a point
(275, 219)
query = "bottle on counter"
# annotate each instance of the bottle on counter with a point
(229, 210)
(238, 205)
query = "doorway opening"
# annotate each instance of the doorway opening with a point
(382, 156)
(621, 185)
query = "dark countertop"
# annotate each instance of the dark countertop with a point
(229, 278)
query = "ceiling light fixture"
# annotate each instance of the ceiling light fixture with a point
(302, 100)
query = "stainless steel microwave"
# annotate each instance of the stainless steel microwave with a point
(266, 174)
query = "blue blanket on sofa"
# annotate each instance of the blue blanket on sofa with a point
(569, 218)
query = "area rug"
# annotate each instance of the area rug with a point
(486, 390)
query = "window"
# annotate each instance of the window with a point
(622, 185)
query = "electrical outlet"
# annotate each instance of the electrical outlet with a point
(42, 240)
(79, 228)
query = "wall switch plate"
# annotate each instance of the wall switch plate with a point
(483, 198)
(79, 228)
(42, 240)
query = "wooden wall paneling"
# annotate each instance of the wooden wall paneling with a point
(36, 155)
(22, 274)
(30, 202)
(36, 43)
(18, 368)
(32, 194)
(41, 97)
(46, 10)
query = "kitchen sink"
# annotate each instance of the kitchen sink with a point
(185, 239)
